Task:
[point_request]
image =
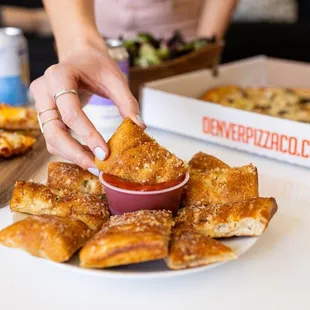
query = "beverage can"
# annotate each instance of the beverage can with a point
(101, 111)
(14, 67)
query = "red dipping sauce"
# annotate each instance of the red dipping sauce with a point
(127, 185)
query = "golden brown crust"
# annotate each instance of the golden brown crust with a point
(243, 218)
(47, 236)
(74, 178)
(190, 248)
(34, 133)
(17, 118)
(205, 161)
(129, 238)
(221, 185)
(37, 199)
(136, 157)
(219, 93)
(13, 144)
(302, 92)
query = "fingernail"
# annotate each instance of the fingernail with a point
(138, 116)
(100, 153)
(94, 171)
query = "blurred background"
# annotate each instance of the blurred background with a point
(277, 28)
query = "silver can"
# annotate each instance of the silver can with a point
(14, 66)
(102, 111)
(119, 53)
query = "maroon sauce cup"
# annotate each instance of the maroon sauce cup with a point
(122, 200)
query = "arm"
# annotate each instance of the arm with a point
(84, 66)
(29, 20)
(73, 24)
(215, 17)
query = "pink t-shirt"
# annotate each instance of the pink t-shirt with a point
(159, 17)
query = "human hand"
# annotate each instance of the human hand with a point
(88, 69)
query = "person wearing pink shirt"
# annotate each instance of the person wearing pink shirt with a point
(85, 67)
(194, 18)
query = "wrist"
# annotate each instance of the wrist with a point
(80, 40)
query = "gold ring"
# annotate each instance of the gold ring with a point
(66, 91)
(50, 119)
(50, 109)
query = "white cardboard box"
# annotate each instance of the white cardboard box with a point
(170, 104)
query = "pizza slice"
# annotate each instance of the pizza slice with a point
(17, 118)
(13, 144)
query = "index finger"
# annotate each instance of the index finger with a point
(117, 89)
(71, 111)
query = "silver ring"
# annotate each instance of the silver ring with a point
(49, 109)
(49, 120)
(65, 91)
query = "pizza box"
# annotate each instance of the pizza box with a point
(172, 104)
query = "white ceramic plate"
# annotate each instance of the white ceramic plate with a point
(155, 269)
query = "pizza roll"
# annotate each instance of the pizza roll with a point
(74, 178)
(17, 118)
(190, 248)
(47, 236)
(13, 143)
(221, 185)
(136, 157)
(129, 238)
(205, 161)
(243, 218)
(37, 199)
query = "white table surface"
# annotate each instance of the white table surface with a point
(274, 274)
